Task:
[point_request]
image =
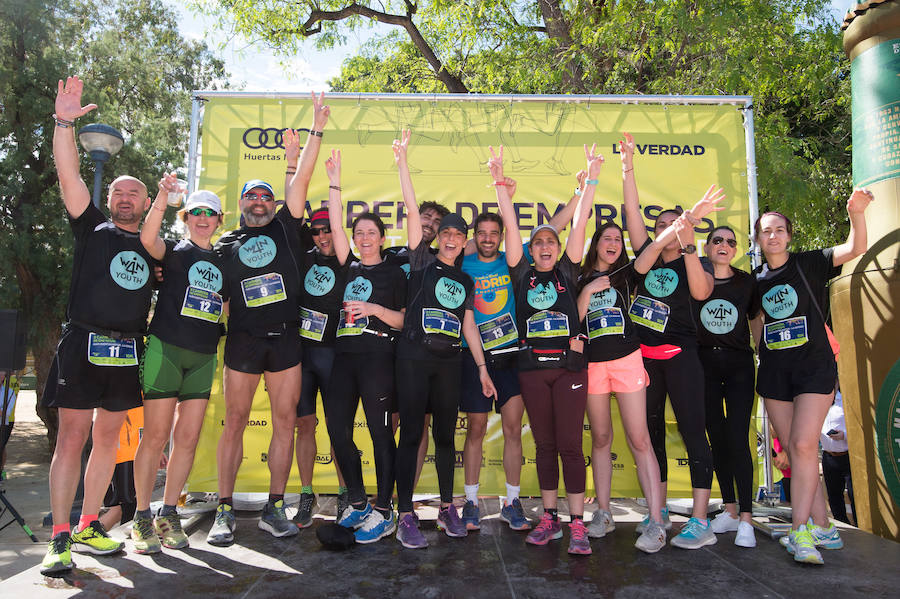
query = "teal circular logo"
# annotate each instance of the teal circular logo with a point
(661, 282)
(258, 251)
(319, 280)
(543, 296)
(451, 294)
(205, 275)
(719, 316)
(780, 301)
(129, 270)
(358, 290)
(603, 299)
(405, 269)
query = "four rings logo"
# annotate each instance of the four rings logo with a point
(270, 138)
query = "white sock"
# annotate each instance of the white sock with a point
(512, 492)
(472, 493)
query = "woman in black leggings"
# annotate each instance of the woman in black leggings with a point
(672, 278)
(723, 333)
(374, 297)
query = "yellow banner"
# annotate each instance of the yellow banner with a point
(681, 151)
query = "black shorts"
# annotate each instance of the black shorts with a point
(121, 490)
(317, 362)
(76, 383)
(5, 433)
(506, 380)
(784, 382)
(255, 355)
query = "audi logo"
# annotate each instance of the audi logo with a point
(270, 138)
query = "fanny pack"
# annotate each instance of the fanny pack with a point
(106, 332)
(537, 359)
(440, 346)
(502, 359)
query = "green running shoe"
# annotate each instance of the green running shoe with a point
(59, 555)
(144, 537)
(169, 529)
(94, 539)
(826, 538)
(801, 545)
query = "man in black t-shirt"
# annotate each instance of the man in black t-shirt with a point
(262, 262)
(93, 380)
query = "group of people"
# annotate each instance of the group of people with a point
(423, 333)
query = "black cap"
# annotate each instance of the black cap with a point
(335, 537)
(456, 221)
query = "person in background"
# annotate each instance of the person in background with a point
(836, 460)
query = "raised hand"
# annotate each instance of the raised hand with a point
(626, 150)
(859, 200)
(321, 111)
(510, 185)
(581, 176)
(708, 203)
(291, 142)
(68, 100)
(495, 165)
(594, 161)
(400, 147)
(333, 167)
(684, 230)
(168, 183)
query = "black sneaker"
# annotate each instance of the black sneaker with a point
(303, 518)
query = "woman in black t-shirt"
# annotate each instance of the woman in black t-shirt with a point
(179, 363)
(797, 370)
(723, 333)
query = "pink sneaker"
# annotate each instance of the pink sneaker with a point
(547, 529)
(578, 538)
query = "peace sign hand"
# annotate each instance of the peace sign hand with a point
(321, 111)
(495, 165)
(400, 147)
(594, 161)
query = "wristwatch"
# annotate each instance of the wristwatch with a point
(689, 249)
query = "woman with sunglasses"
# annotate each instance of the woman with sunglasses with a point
(552, 366)
(615, 366)
(671, 280)
(797, 368)
(374, 297)
(180, 360)
(723, 334)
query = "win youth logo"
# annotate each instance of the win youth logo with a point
(129, 270)
(269, 138)
(258, 252)
(205, 275)
(451, 294)
(661, 282)
(780, 301)
(719, 316)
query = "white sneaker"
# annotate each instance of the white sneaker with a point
(745, 536)
(724, 522)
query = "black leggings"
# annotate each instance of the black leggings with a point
(420, 383)
(679, 377)
(369, 376)
(729, 375)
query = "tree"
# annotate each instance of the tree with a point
(786, 54)
(140, 71)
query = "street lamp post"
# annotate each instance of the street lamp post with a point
(102, 142)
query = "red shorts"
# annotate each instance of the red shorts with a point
(624, 375)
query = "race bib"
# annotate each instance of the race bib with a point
(263, 290)
(547, 323)
(312, 324)
(605, 321)
(497, 332)
(649, 313)
(202, 304)
(784, 334)
(345, 329)
(435, 320)
(106, 351)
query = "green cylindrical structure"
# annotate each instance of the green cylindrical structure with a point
(866, 297)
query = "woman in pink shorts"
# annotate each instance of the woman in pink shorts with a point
(615, 366)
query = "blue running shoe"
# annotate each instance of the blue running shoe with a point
(694, 535)
(471, 516)
(353, 518)
(667, 523)
(375, 527)
(409, 535)
(514, 515)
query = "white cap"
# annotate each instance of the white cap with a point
(203, 199)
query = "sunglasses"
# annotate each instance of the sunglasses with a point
(721, 240)
(316, 231)
(262, 197)
(202, 212)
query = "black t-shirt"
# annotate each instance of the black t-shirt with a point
(663, 308)
(189, 304)
(723, 317)
(399, 255)
(437, 299)
(793, 328)
(546, 304)
(383, 284)
(324, 279)
(611, 334)
(262, 270)
(112, 275)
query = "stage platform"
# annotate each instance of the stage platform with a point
(492, 563)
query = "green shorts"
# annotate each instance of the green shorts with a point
(171, 371)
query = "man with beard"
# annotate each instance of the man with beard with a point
(262, 267)
(430, 214)
(93, 380)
